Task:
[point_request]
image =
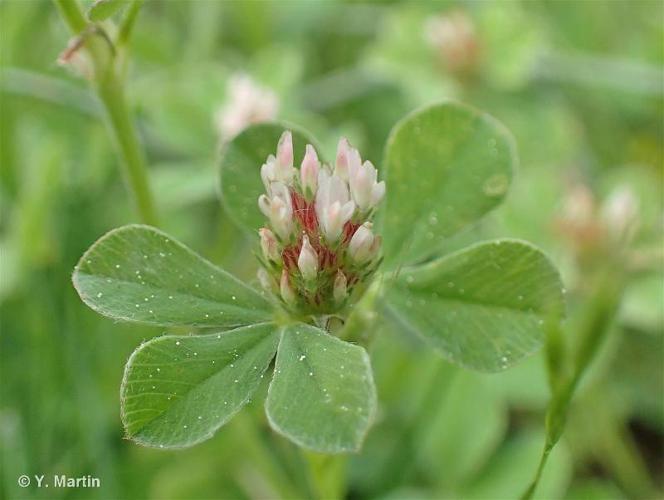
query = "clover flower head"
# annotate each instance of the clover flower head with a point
(319, 245)
(620, 213)
(592, 225)
(453, 36)
(247, 103)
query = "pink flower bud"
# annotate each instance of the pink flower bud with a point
(269, 245)
(285, 149)
(341, 164)
(309, 172)
(268, 172)
(247, 103)
(333, 207)
(313, 273)
(278, 209)
(377, 193)
(363, 245)
(287, 293)
(307, 262)
(365, 190)
(340, 288)
(620, 213)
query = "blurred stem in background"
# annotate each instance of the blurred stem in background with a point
(108, 59)
(327, 475)
(566, 369)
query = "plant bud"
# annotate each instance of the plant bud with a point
(366, 192)
(278, 209)
(341, 164)
(284, 164)
(377, 193)
(363, 245)
(307, 262)
(268, 172)
(247, 102)
(333, 206)
(309, 172)
(287, 293)
(620, 213)
(340, 288)
(269, 245)
(318, 245)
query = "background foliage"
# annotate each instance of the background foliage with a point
(578, 83)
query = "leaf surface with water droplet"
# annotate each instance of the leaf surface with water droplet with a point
(322, 396)
(178, 390)
(447, 165)
(483, 307)
(139, 274)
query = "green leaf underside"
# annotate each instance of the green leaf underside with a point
(178, 390)
(322, 396)
(140, 274)
(103, 9)
(483, 307)
(446, 166)
(241, 161)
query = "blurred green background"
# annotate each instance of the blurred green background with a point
(579, 83)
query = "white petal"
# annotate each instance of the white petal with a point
(377, 193)
(264, 205)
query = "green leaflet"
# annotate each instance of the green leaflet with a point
(446, 165)
(140, 274)
(483, 307)
(322, 396)
(178, 390)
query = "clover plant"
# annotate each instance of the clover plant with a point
(340, 252)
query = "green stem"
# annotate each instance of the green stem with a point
(72, 14)
(614, 447)
(128, 22)
(109, 88)
(131, 151)
(533, 486)
(255, 449)
(326, 474)
(592, 328)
